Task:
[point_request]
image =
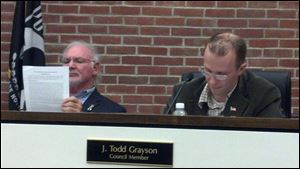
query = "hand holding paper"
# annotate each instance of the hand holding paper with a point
(71, 104)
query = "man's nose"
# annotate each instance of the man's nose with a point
(212, 80)
(71, 64)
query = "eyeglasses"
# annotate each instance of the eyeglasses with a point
(76, 60)
(216, 76)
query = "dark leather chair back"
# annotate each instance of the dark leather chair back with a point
(281, 79)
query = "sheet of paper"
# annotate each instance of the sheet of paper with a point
(45, 87)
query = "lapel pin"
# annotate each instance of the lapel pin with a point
(91, 107)
(232, 108)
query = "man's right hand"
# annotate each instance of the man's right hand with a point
(71, 104)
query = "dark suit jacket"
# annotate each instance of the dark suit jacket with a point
(253, 97)
(98, 103)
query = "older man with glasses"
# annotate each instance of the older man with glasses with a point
(227, 88)
(84, 66)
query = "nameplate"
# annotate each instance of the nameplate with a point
(130, 152)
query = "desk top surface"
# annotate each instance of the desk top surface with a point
(151, 120)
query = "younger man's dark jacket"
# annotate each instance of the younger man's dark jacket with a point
(253, 97)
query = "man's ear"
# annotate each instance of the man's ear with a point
(242, 68)
(96, 67)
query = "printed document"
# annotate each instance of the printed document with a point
(45, 87)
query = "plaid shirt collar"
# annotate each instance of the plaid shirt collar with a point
(206, 97)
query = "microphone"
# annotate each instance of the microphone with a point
(188, 77)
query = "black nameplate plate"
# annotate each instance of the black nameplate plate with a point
(149, 153)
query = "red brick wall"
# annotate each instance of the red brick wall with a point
(147, 45)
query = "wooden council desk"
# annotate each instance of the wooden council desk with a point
(53, 139)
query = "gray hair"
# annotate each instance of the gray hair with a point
(93, 50)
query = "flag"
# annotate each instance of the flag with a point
(26, 48)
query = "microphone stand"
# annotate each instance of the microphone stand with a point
(189, 77)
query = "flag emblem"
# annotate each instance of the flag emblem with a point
(232, 108)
